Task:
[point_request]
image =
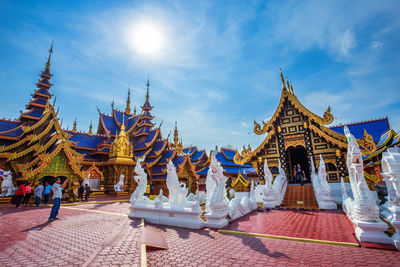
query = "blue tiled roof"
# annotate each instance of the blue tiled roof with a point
(159, 169)
(35, 113)
(384, 138)
(238, 170)
(374, 128)
(110, 124)
(230, 154)
(197, 155)
(85, 140)
(139, 153)
(189, 150)
(204, 171)
(45, 81)
(43, 91)
(166, 155)
(47, 71)
(130, 122)
(39, 101)
(17, 132)
(157, 146)
(225, 162)
(395, 140)
(7, 125)
(178, 160)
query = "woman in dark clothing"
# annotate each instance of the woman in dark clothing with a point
(20, 194)
(28, 193)
(300, 174)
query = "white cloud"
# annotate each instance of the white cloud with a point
(346, 42)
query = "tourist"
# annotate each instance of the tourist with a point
(46, 193)
(295, 174)
(28, 193)
(38, 194)
(20, 194)
(81, 190)
(87, 192)
(300, 174)
(57, 195)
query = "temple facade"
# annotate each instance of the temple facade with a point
(36, 148)
(294, 134)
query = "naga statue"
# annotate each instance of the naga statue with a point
(141, 180)
(322, 190)
(364, 206)
(274, 192)
(215, 177)
(7, 186)
(177, 191)
(119, 187)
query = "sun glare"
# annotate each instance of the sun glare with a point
(147, 39)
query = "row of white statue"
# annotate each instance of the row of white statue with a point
(184, 210)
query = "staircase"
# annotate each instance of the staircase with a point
(95, 194)
(299, 197)
(5, 200)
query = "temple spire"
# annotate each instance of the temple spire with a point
(283, 81)
(128, 102)
(74, 128)
(90, 128)
(123, 125)
(134, 111)
(50, 52)
(148, 86)
(112, 104)
(176, 137)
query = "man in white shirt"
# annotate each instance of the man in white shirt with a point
(57, 196)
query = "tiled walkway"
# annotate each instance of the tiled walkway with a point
(321, 225)
(210, 248)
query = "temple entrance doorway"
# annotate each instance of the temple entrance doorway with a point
(294, 156)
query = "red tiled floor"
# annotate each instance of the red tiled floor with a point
(322, 225)
(210, 248)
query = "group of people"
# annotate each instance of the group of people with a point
(25, 191)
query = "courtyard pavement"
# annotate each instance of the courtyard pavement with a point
(101, 234)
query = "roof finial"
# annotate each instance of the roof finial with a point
(176, 140)
(112, 104)
(283, 81)
(90, 128)
(287, 82)
(291, 87)
(123, 124)
(134, 111)
(148, 85)
(50, 52)
(128, 102)
(74, 128)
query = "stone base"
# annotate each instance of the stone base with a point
(270, 204)
(185, 217)
(118, 194)
(216, 220)
(327, 205)
(372, 232)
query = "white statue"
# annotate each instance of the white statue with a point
(7, 186)
(364, 206)
(218, 201)
(160, 199)
(172, 182)
(241, 205)
(274, 193)
(86, 181)
(119, 187)
(322, 190)
(141, 179)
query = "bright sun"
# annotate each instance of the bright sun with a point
(147, 39)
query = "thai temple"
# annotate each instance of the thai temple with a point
(36, 148)
(294, 135)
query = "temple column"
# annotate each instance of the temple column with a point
(309, 147)
(282, 150)
(260, 170)
(341, 166)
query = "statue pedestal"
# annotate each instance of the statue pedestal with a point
(216, 220)
(327, 204)
(182, 216)
(372, 232)
(270, 204)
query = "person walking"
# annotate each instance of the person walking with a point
(300, 174)
(46, 193)
(38, 194)
(20, 194)
(87, 192)
(57, 195)
(28, 193)
(81, 190)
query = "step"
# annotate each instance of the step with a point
(300, 197)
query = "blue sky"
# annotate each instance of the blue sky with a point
(217, 69)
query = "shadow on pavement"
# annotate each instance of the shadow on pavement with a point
(37, 227)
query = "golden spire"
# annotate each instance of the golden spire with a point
(291, 87)
(90, 128)
(128, 102)
(50, 52)
(134, 111)
(112, 104)
(287, 82)
(74, 128)
(283, 81)
(148, 85)
(122, 133)
(176, 139)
